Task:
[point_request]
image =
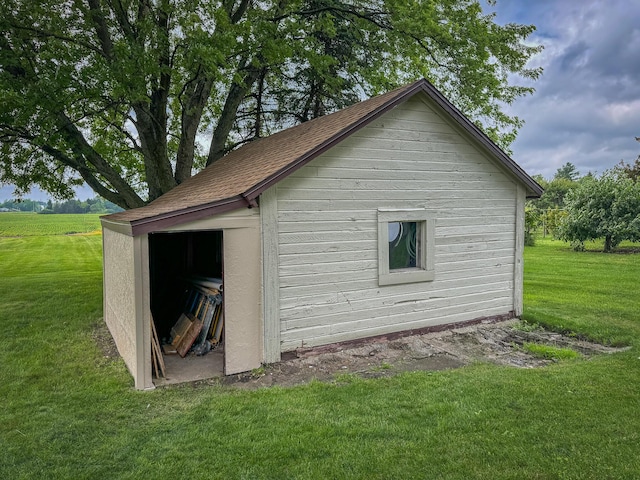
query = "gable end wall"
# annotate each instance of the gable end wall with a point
(327, 232)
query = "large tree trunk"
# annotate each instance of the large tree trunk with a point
(153, 141)
(196, 95)
(237, 92)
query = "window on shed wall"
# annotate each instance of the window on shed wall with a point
(406, 244)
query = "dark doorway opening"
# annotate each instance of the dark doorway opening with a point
(173, 259)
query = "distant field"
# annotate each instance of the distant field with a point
(19, 224)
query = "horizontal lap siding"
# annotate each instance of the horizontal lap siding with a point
(327, 232)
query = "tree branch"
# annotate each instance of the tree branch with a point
(100, 25)
(240, 11)
(82, 149)
(46, 34)
(197, 93)
(86, 174)
(123, 19)
(366, 15)
(237, 92)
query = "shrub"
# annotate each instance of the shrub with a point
(607, 207)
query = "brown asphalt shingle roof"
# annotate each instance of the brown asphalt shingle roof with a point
(238, 178)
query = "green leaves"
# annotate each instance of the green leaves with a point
(146, 83)
(607, 207)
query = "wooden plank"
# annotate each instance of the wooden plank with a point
(333, 237)
(179, 329)
(208, 318)
(344, 157)
(326, 334)
(217, 334)
(156, 348)
(470, 193)
(334, 293)
(324, 247)
(214, 322)
(326, 257)
(327, 274)
(432, 148)
(201, 303)
(426, 200)
(519, 252)
(340, 223)
(469, 212)
(317, 263)
(410, 182)
(189, 338)
(318, 338)
(270, 274)
(154, 361)
(348, 300)
(345, 266)
(382, 313)
(369, 282)
(169, 349)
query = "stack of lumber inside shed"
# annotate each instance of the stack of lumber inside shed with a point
(157, 362)
(199, 328)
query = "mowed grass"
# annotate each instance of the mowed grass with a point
(26, 224)
(67, 412)
(590, 293)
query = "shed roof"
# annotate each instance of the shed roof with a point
(237, 179)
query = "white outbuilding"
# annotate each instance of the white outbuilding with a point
(394, 215)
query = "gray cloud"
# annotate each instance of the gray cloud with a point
(586, 109)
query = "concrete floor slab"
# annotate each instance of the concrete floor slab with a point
(191, 368)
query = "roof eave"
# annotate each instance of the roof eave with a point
(166, 220)
(118, 227)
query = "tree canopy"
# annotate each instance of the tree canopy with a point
(133, 96)
(567, 172)
(606, 207)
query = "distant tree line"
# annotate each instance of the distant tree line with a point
(25, 205)
(91, 205)
(577, 209)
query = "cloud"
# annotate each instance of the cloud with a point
(586, 109)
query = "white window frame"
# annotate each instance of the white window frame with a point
(425, 271)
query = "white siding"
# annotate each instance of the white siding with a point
(327, 232)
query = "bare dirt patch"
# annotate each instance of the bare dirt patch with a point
(498, 343)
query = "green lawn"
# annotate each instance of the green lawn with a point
(23, 224)
(67, 412)
(590, 293)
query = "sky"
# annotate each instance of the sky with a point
(586, 108)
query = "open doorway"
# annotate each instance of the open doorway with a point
(179, 263)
